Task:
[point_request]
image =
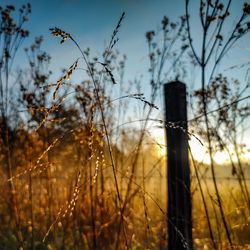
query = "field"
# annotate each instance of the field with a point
(83, 159)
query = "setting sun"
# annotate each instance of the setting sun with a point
(199, 151)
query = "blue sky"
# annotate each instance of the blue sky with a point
(91, 23)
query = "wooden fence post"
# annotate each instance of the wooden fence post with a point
(179, 199)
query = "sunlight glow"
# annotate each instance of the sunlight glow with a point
(161, 149)
(199, 151)
(220, 157)
(159, 137)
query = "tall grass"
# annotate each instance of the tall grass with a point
(76, 173)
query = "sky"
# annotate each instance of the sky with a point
(91, 23)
